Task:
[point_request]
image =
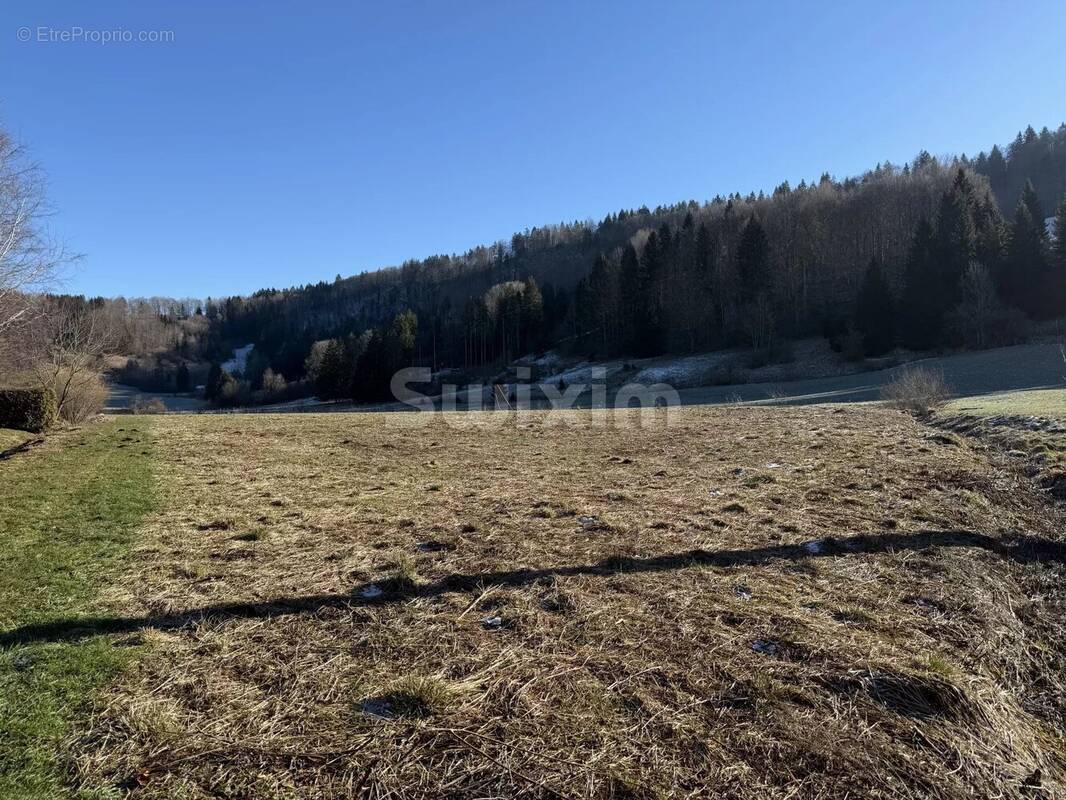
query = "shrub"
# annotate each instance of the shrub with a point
(83, 396)
(231, 392)
(141, 405)
(273, 383)
(916, 389)
(32, 410)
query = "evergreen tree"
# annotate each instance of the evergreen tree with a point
(648, 321)
(405, 329)
(1032, 202)
(1057, 294)
(532, 315)
(633, 300)
(1025, 276)
(990, 244)
(956, 240)
(183, 381)
(333, 378)
(922, 311)
(214, 381)
(368, 378)
(753, 260)
(596, 301)
(997, 170)
(875, 317)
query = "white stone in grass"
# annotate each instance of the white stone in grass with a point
(764, 647)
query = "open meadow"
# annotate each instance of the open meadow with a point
(404, 401)
(748, 602)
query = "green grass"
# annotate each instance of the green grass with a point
(10, 438)
(1033, 402)
(66, 520)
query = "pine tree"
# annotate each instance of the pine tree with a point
(753, 260)
(648, 321)
(875, 317)
(922, 311)
(1025, 276)
(633, 300)
(997, 170)
(214, 381)
(990, 233)
(331, 383)
(1057, 272)
(532, 315)
(596, 303)
(183, 381)
(368, 376)
(1032, 202)
(956, 239)
(704, 288)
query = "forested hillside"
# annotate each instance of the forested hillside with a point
(1037, 157)
(927, 254)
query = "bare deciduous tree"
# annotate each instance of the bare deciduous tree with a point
(29, 259)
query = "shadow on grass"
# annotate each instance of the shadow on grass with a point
(11, 452)
(1026, 549)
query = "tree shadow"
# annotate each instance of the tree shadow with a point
(1022, 549)
(11, 452)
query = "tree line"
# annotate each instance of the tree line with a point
(933, 253)
(918, 256)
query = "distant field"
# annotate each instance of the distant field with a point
(120, 397)
(1004, 369)
(1035, 402)
(751, 603)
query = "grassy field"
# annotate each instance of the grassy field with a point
(750, 603)
(1049, 403)
(1028, 425)
(66, 515)
(10, 438)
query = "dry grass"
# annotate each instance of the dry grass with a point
(753, 603)
(1029, 426)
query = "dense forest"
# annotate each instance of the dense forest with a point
(933, 253)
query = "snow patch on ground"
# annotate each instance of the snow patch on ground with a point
(683, 372)
(583, 373)
(239, 363)
(548, 362)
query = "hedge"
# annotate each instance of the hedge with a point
(31, 410)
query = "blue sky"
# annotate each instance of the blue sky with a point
(279, 143)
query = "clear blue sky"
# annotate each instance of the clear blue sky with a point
(278, 143)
